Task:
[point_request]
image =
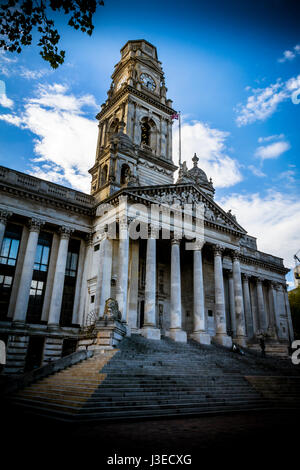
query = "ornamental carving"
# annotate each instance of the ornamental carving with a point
(35, 224)
(4, 215)
(218, 250)
(111, 310)
(65, 232)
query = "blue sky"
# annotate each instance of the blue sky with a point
(231, 69)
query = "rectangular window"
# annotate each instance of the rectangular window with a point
(10, 245)
(70, 283)
(39, 278)
(8, 259)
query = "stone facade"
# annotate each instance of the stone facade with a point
(65, 253)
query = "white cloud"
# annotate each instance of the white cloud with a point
(256, 171)
(264, 101)
(288, 176)
(273, 219)
(65, 139)
(5, 102)
(271, 137)
(210, 146)
(290, 55)
(273, 150)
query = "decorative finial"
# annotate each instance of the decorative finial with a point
(195, 159)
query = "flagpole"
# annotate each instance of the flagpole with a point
(179, 139)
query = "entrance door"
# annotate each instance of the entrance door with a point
(34, 353)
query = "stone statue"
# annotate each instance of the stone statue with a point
(111, 310)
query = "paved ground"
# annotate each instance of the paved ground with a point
(257, 438)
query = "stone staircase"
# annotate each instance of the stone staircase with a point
(148, 378)
(272, 349)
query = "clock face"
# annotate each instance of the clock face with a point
(148, 81)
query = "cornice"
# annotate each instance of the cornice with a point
(42, 198)
(140, 94)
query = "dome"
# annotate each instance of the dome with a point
(196, 173)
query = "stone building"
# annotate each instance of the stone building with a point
(64, 253)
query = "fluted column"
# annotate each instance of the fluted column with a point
(199, 333)
(59, 278)
(231, 302)
(104, 274)
(274, 314)
(149, 329)
(220, 314)
(263, 324)
(238, 300)
(122, 282)
(247, 305)
(4, 215)
(288, 313)
(84, 288)
(176, 332)
(19, 317)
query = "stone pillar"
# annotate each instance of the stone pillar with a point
(199, 334)
(22, 300)
(247, 305)
(274, 314)
(263, 324)
(4, 215)
(59, 278)
(288, 313)
(221, 336)
(231, 302)
(149, 329)
(84, 288)
(176, 332)
(238, 301)
(104, 274)
(122, 282)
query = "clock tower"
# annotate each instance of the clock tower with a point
(134, 145)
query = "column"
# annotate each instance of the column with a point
(122, 282)
(149, 329)
(176, 332)
(4, 215)
(22, 300)
(247, 305)
(238, 301)
(84, 287)
(288, 313)
(104, 274)
(199, 334)
(263, 324)
(220, 315)
(231, 302)
(59, 278)
(274, 315)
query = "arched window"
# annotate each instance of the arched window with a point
(103, 177)
(145, 133)
(125, 173)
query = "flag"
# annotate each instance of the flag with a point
(175, 116)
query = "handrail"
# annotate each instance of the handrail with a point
(28, 378)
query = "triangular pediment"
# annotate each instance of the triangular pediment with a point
(186, 193)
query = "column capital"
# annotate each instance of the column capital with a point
(4, 215)
(259, 279)
(35, 224)
(89, 237)
(218, 250)
(245, 277)
(175, 240)
(235, 255)
(65, 232)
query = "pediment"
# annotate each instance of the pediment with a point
(187, 194)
